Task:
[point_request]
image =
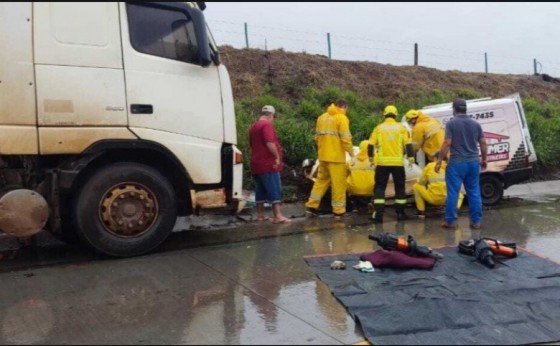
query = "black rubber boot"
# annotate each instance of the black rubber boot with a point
(377, 216)
(400, 214)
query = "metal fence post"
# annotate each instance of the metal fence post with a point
(535, 66)
(329, 43)
(246, 36)
(486, 62)
(416, 54)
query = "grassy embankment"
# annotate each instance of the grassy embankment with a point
(296, 125)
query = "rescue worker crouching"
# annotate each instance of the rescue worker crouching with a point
(390, 141)
(427, 133)
(360, 178)
(431, 188)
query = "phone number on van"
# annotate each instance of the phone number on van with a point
(478, 116)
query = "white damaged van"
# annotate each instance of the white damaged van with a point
(511, 154)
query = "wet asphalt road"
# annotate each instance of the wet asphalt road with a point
(251, 286)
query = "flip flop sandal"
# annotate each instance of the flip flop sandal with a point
(284, 220)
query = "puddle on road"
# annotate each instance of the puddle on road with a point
(533, 223)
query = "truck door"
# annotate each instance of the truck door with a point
(172, 99)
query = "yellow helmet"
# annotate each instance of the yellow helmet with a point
(411, 114)
(390, 109)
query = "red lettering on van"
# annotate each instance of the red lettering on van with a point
(497, 157)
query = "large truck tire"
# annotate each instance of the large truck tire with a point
(491, 189)
(126, 209)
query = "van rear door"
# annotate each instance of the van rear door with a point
(525, 129)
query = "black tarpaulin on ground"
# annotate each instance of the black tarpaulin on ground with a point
(458, 302)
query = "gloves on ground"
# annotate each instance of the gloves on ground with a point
(364, 267)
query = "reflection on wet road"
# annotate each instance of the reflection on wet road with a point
(256, 291)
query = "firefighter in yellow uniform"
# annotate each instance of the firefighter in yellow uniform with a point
(334, 140)
(427, 133)
(361, 176)
(390, 141)
(431, 188)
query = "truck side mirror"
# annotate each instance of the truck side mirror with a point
(204, 56)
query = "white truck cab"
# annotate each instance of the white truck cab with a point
(114, 117)
(511, 154)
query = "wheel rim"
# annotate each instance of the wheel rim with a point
(488, 190)
(128, 210)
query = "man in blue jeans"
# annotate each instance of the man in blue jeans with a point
(462, 137)
(266, 165)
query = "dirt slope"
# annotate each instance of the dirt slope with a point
(290, 73)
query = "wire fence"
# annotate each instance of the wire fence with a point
(389, 51)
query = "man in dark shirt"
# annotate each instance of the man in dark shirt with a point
(266, 165)
(462, 136)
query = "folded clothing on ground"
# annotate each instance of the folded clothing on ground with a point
(397, 259)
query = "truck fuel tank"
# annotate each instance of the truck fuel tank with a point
(23, 213)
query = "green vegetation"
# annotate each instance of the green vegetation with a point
(296, 122)
(544, 125)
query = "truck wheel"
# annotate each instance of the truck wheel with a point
(126, 209)
(491, 190)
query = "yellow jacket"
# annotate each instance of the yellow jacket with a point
(361, 179)
(427, 134)
(435, 182)
(332, 135)
(389, 139)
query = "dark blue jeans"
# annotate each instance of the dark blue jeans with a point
(268, 188)
(466, 173)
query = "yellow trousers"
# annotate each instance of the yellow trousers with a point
(423, 195)
(331, 174)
